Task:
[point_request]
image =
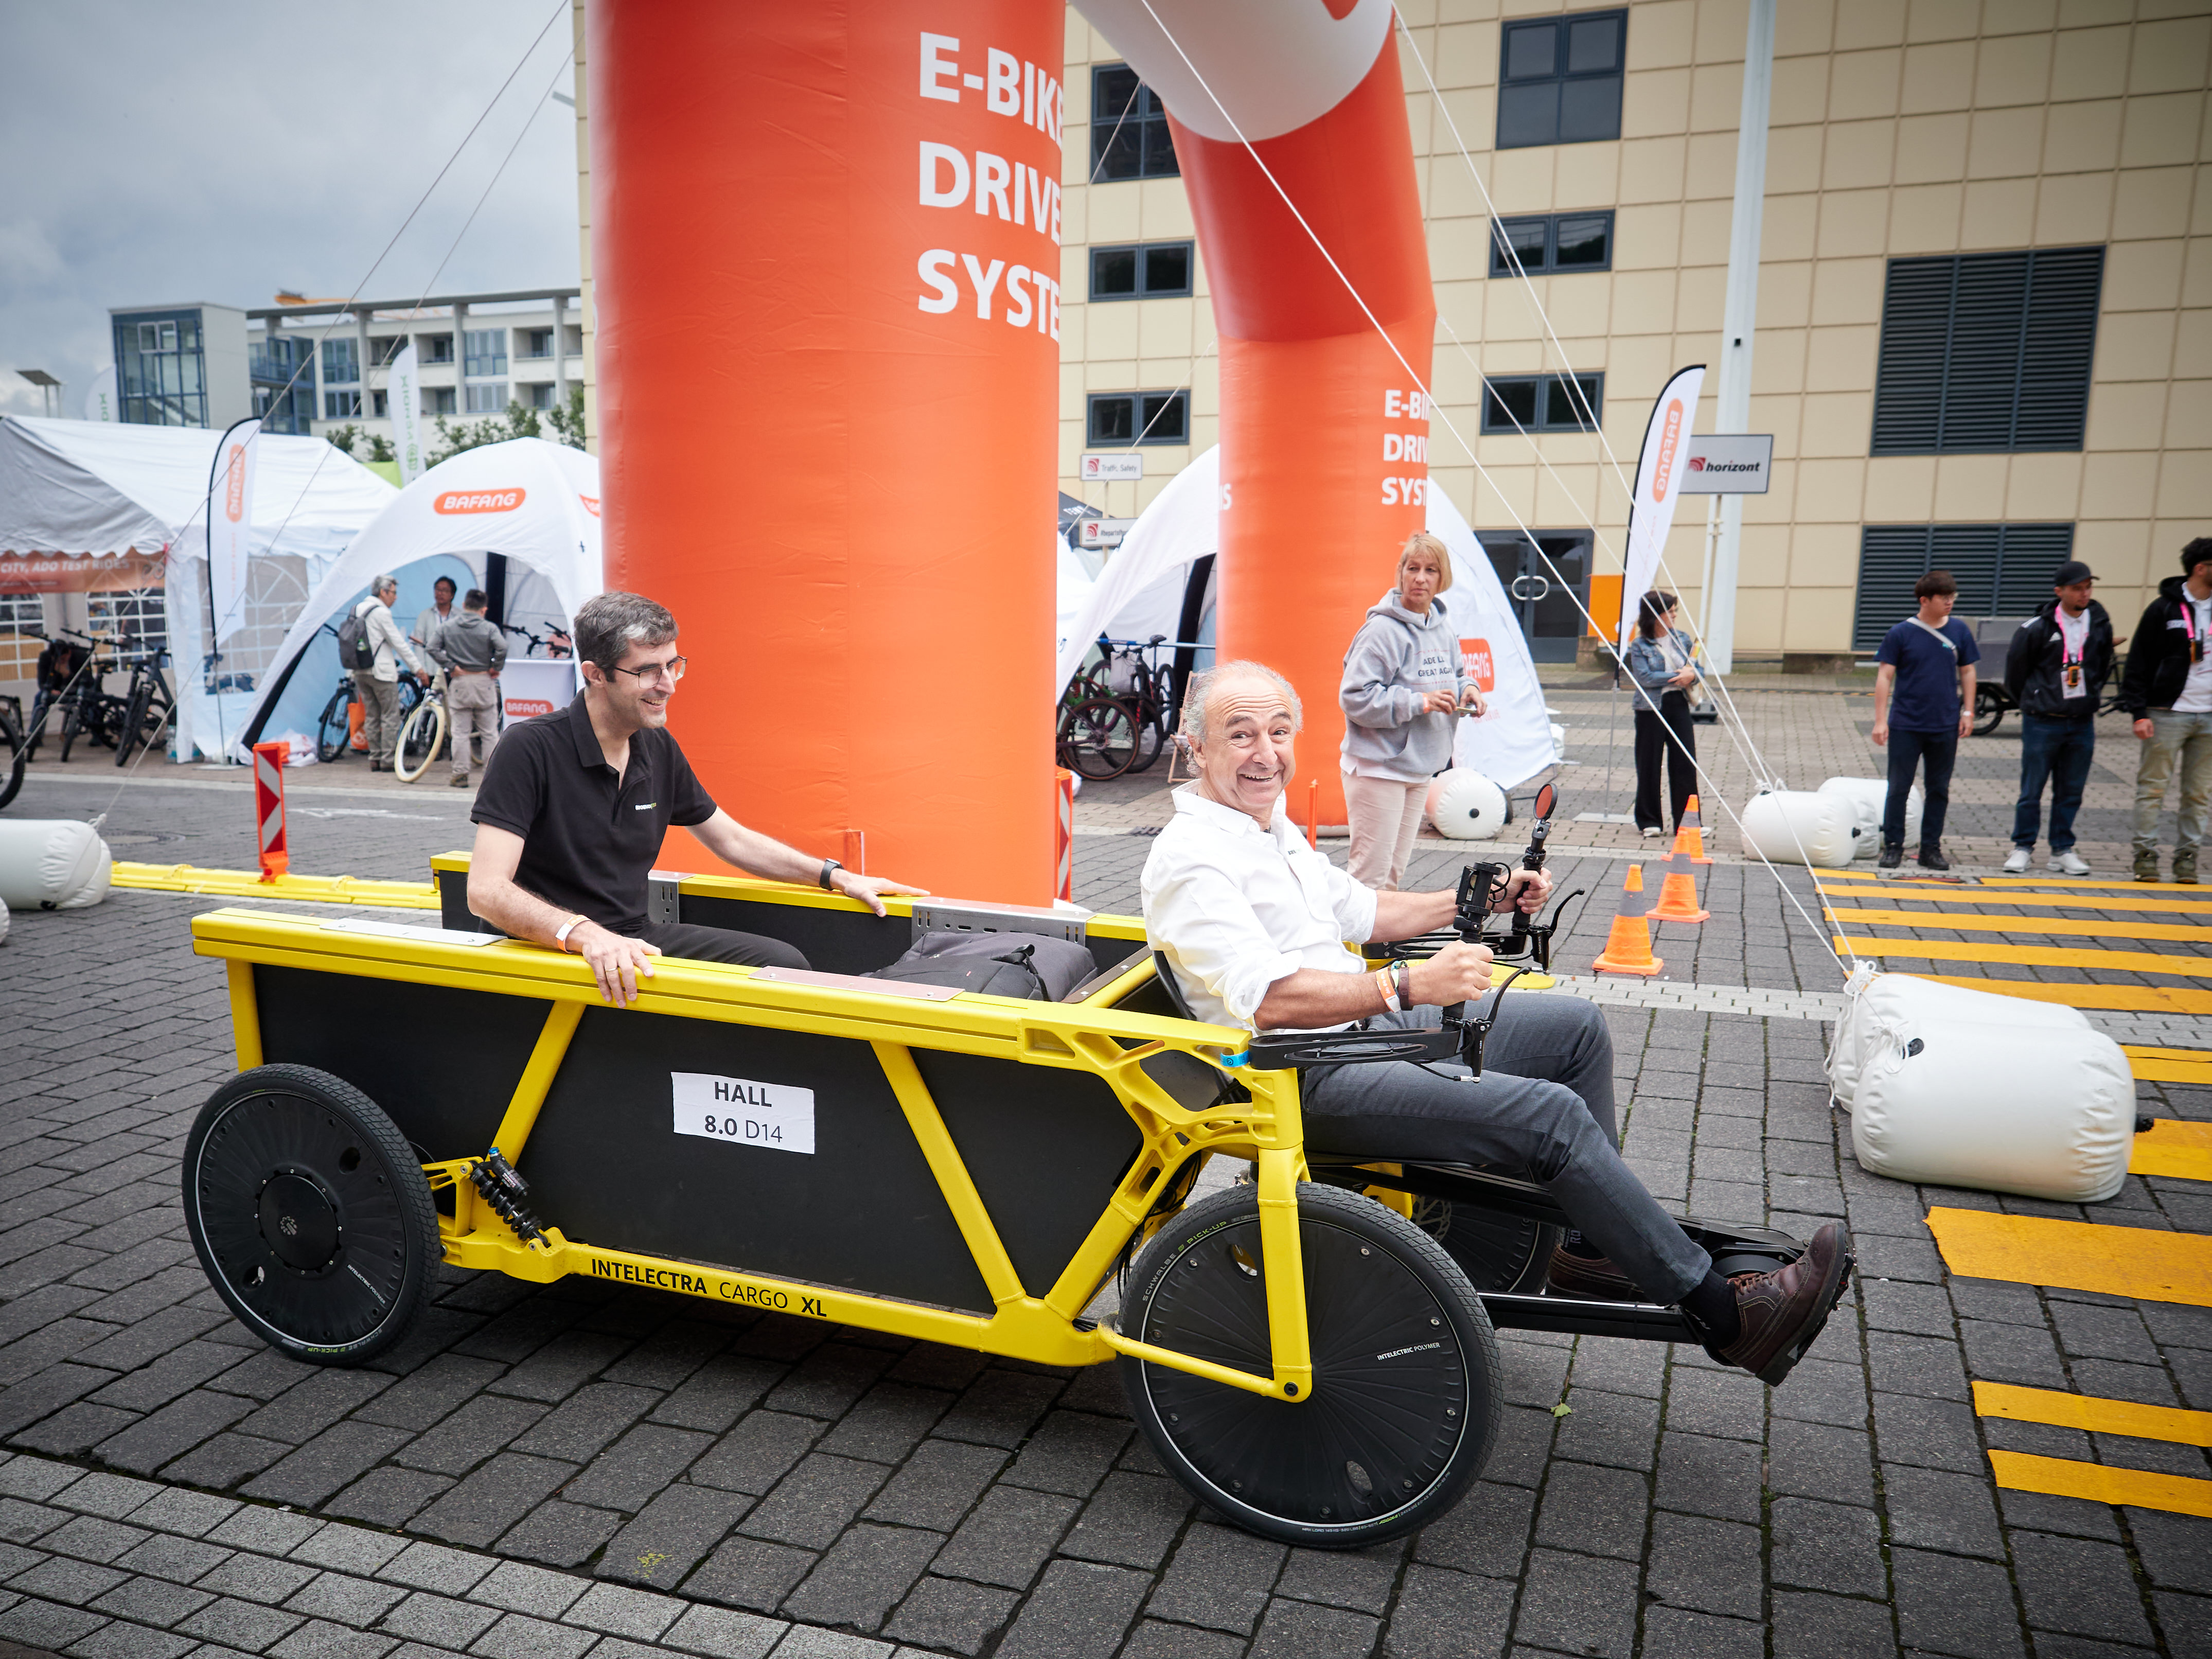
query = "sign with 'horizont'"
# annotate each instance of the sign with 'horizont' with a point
(1731, 464)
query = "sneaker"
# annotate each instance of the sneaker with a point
(2145, 866)
(1591, 1278)
(1782, 1312)
(459, 782)
(1652, 832)
(2015, 862)
(2184, 871)
(2069, 863)
(1931, 858)
(1893, 854)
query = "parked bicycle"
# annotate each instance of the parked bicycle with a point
(148, 706)
(17, 747)
(1119, 713)
(552, 643)
(422, 731)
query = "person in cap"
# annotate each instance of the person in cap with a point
(2167, 687)
(2055, 669)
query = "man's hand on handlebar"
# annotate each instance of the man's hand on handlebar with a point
(1458, 973)
(1525, 889)
(616, 961)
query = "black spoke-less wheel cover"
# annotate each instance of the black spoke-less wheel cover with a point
(1404, 1406)
(1497, 1252)
(310, 1214)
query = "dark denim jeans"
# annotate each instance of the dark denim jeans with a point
(2061, 752)
(1907, 751)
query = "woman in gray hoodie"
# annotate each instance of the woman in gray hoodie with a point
(1403, 686)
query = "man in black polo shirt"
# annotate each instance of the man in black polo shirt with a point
(573, 807)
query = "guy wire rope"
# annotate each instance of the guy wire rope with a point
(1420, 382)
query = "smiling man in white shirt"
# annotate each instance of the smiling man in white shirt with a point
(1254, 923)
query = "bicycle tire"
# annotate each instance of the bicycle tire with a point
(335, 718)
(11, 772)
(421, 736)
(1098, 738)
(133, 732)
(70, 720)
(1988, 712)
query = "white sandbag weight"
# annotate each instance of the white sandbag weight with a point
(1796, 826)
(1869, 796)
(1877, 1001)
(51, 864)
(1466, 805)
(2043, 1113)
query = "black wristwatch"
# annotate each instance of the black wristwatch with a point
(829, 867)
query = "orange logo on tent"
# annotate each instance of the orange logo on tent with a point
(479, 501)
(1669, 438)
(522, 708)
(590, 504)
(233, 489)
(1475, 653)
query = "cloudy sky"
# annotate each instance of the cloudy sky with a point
(219, 150)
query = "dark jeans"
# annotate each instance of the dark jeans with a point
(1906, 751)
(1544, 1103)
(1665, 737)
(696, 944)
(2061, 751)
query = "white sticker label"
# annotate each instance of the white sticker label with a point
(773, 1115)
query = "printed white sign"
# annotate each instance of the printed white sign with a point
(1101, 532)
(773, 1115)
(1736, 464)
(1107, 467)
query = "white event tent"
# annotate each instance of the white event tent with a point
(534, 502)
(1142, 593)
(84, 490)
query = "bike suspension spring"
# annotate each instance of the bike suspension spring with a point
(495, 1179)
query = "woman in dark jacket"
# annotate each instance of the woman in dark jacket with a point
(1663, 665)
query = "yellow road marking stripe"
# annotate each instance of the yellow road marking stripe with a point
(2186, 932)
(1934, 895)
(2202, 1056)
(2108, 999)
(2100, 1483)
(2003, 881)
(2098, 1416)
(2031, 956)
(2027, 1249)
(2171, 1148)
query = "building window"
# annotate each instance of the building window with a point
(1543, 403)
(1149, 271)
(537, 343)
(2002, 570)
(434, 348)
(341, 405)
(1129, 136)
(488, 397)
(540, 394)
(141, 616)
(487, 349)
(1119, 419)
(22, 615)
(379, 404)
(438, 400)
(341, 361)
(1559, 79)
(161, 371)
(1987, 352)
(1552, 241)
(383, 348)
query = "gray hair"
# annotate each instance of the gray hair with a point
(381, 581)
(1202, 688)
(606, 627)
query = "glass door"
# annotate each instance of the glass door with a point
(1547, 584)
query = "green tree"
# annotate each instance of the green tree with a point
(379, 448)
(567, 426)
(342, 438)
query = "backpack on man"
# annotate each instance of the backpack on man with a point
(356, 650)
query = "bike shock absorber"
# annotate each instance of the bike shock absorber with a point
(495, 1179)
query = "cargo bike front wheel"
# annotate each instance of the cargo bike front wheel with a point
(311, 1214)
(1405, 1394)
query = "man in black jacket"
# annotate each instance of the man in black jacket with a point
(2169, 689)
(2058, 662)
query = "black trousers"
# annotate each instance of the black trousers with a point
(1939, 750)
(696, 944)
(1666, 738)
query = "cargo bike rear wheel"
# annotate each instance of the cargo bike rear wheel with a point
(311, 1214)
(1405, 1391)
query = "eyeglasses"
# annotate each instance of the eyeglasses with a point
(672, 670)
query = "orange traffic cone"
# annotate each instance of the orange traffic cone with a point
(1678, 892)
(1628, 947)
(1690, 833)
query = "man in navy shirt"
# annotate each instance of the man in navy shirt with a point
(1924, 703)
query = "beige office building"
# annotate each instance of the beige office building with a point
(1984, 313)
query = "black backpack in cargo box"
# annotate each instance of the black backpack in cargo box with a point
(1027, 965)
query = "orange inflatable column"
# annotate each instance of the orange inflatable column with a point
(1324, 435)
(825, 259)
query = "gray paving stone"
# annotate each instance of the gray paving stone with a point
(949, 1613)
(757, 1453)
(74, 1431)
(343, 1598)
(123, 1640)
(2176, 1550)
(518, 1588)
(1000, 1409)
(308, 1408)
(1819, 1460)
(225, 1460)
(439, 1620)
(580, 1426)
(1070, 1452)
(441, 1385)
(806, 1642)
(1947, 1605)
(91, 1539)
(1699, 1475)
(1716, 1403)
(114, 1496)
(518, 1635)
(1299, 1630)
(481, 1427)
(435, 1567)
(170, 1432)
(815, 1502)
(1810, 1626)
(619, 1611)
(1078, 1608)
(937, 1485)
(1673, 1633)
(560, 1534)
(232, 1623)
(2079, 1587)
(827, 1381)
(493, 1499)
(1933, 1509)
(671, 1535)
(1156, 1640)
(1577, 1604)
(1622, 1429)
(389, 1497)
(256, 1578)
(1131, 1522)
(749, 1573)
(1602, 1511)
(720, 1633)
(1936, 1434)
(1361, 1579)
(152, 1601)
(34, 1479)
(628, 1474)
(888, 1422)
(1219, 1578)
(715, 1396)
(1007, 1537)
(561, 1366)
(865, 1574)
(1487, 1533)
(272, 1531)
(58, 1578)
(46, 1625)
(1711, 1566)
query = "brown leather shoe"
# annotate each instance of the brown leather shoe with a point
(1592, 1278)
(1782, 1312)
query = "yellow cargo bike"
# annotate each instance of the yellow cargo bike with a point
(1309, 1352)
